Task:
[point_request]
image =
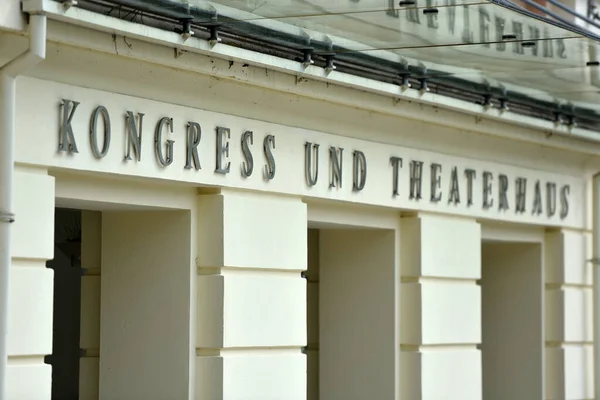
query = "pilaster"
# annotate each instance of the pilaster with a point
(31, 286)
(440, 308)
(569, 316)
(251, 321)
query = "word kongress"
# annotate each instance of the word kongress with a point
(544, 197)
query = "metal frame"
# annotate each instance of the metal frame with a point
(188, 20)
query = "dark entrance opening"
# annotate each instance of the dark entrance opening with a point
(67, 304)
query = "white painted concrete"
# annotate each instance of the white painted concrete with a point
(438, 246)
(358, 341)
(145, 305)
(251, 321)
(31, 294)
(513, 321)
(441, 308)
(11, 17)
(569, 316)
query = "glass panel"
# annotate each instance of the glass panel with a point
(536, 55)
(412, 27)
(453, 40)
(254, 9)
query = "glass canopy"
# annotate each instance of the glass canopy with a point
(491, 44)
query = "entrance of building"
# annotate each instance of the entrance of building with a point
(65, 357)
(123, 279)
(76, 308)
(513, 341)
(352, 333)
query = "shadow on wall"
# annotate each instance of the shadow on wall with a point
(67, 304)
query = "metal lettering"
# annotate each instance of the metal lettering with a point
(66, 138)
(100, 111)
(412, 15)
(194, 135)
(248, 164)
(484, 27)
(436, 169)
(550, 199)
(518, 32)
(335, 164)
(467, 35)
(451, 10)
(502, 192)
(416, 175)
(311, 150)
(223, 135)
(391, 10)
(564, 201)
(548, 46)
(521, 195)
(537, 199)
(534, 33)
(359, 168)
(488, 201)
(471, 175)
(158, 142)
(562, 49)
(134, 136)
(500, 23)
(432, 19)
(454, 192)
(396, 165)
(268, 144)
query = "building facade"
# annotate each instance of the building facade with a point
(199, 221)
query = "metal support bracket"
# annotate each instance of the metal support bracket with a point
(7, 217)
(186, 28)
(307, 61)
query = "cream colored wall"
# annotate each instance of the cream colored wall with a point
(569, 315)
(358, 317)
(31, 286)
(145, 305)
(440, 259)
(512, 286)
(251, 304)
(11, 17)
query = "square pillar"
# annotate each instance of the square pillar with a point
(251, 309)
(569, 315)
(31, 286)
(440, 308)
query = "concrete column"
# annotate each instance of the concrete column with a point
(31, 286)
(145, 323)
(251, 321)
(569, 316)
(440, 261)
(89, 342)
(358, 315)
